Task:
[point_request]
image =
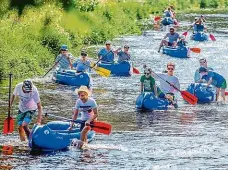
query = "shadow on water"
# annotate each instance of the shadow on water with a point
(191, 137)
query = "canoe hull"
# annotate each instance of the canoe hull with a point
(182, 52)
(199, 36)
(54, 136)
(148, 101)
(118, 69)
(204, 94)
(70, 77)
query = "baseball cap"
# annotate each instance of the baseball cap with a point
(27, 85)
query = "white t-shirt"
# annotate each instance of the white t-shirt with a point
(86, 108)
(165, 87)
(28, 101)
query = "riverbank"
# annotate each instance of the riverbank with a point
(205, 11)
(29, 44)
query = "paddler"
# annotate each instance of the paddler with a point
(172, 38)
(82, 64)
(215, 79)
(203, 63)
(87, 106)
(124, 55)
(64, 59)
(169, 91)
(29, 102)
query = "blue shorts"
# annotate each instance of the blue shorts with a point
(24, 117)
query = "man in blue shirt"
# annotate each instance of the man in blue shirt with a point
(124, 55)
(106, 54)
(172, 36)
(214, 79)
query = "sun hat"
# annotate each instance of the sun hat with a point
(27, 85)
(202, 69)
(82, 89)
(108, 42)
(64, 47)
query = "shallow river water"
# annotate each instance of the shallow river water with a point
(191, 137)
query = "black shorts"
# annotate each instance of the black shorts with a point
(83, 125)
(170, 44)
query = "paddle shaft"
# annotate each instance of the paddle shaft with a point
(101, 58)
(69, 120)
(52, 67)
(10, 84)
(167, 82)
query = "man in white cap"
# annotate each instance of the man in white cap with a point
(87, 106)
(28, 104)
(203, 63)
(172, 38)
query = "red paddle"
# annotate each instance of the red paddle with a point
(212, 37)
(135, 70)
(195, 50)
(97, 126)
(190, 98)
(8, 126)
(157, 18)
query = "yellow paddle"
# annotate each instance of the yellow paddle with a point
(101, 71)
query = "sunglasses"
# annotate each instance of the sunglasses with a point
(170, 68)
(147, 73)
(108, 44)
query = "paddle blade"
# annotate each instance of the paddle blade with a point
(135, 70)
(212, 37)
(226, 93)
(188, 97)
(195, 50)
(185, 33)
(157, 18)
(102, 127)
(102, 71)
(7, 149)
(8, 125)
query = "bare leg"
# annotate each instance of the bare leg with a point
(223, 94)
(217, 93)
(163, 42)
(21, 133)
(26, 129)
(84, 132)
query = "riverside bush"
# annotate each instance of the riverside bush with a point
(29, 45)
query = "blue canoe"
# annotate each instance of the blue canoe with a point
(118, 69)
(70, 77)
(203, 93)
(54, 136)
(179, 52)
(167, 21)
(199, 36)
(148, 101)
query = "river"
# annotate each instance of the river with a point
(191, 137)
